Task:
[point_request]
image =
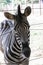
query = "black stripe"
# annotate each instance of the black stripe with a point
(17, 47)
(9, 57)
(22, 61)
(13, 60)
(17, 42)
(28, 35)
(28, 31)
(13, 55)
(17, 37)
(15, 50)
(28, 39)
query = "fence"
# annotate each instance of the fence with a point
(11, 5)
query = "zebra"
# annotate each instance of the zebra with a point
(16, 46)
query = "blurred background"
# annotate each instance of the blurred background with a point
(36, 26)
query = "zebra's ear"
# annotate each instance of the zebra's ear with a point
(27, 11)
(9, 16)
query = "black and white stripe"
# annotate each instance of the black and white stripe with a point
(13, 52)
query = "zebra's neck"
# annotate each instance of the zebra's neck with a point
(14, 50)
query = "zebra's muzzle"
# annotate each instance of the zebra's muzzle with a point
(26, 49)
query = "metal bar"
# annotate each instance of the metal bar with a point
(21, 9)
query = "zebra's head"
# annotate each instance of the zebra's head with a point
(20, 19)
